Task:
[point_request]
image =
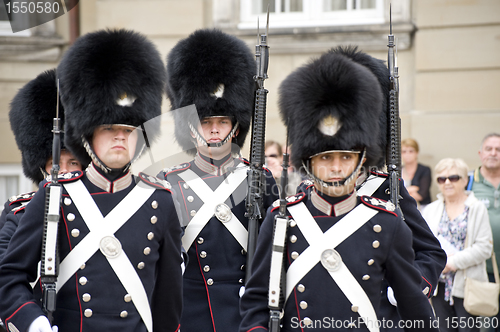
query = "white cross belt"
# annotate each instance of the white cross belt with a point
(210, 201)
(319, 242)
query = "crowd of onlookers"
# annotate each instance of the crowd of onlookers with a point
(465, 217)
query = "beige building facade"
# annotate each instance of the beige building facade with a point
(448, 58)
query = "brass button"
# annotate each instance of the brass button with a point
(67, 201)
(294, 255)
(88, 313)
(82, 281)
(206, 268)
(292, 223)
(86, 297)
(210, 281)
(141, 265)
(200, 240)
(154, 219)
(354, 308)
(82, 267)
(203, 254)
(154, 204)
(293, 239)
(147, 251)
(377, 228)
(303, 304)
(371, 261)
(301, 288)
(375, 244)
(190, 199)
(127, 298)
(307, 321)
(366, 277)
(75, 232)
(192, 213)
(70, 217)
(123, 314)
(151, 236)
(186, 186)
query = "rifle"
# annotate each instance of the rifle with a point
(53, 191)
(394, 147)
(277, 275)
(256, 178)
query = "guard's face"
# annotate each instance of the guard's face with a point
(490, 153)
(214, 130)
(67, 163)
(332, 167)
(114, 144)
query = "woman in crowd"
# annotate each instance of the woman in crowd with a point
(417, 177)
(274, 161)
(460, 222)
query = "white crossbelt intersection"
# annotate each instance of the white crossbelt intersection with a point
(319, 242)
(101, 227)
(210, 201)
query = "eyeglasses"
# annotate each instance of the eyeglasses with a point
(272, 156)
(452, 178)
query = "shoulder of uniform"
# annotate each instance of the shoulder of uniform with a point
(290, 200)
(379, 204)
(155, 182)
(379, 174)
(307, 183)
(243, 160)
(20, 207)
(21, 198)
(168, 170)
(64, 177)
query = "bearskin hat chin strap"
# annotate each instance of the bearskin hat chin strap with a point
(345, 180)
(101, 164)
(204, 142)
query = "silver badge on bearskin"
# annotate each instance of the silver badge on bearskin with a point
(331, 260)
(223, 212)
(110, 246)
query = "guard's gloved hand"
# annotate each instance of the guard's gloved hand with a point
(41, 324)
(390, 296)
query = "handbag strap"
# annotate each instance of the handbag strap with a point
(495, 266)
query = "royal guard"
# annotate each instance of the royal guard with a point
(338, 247)
(214, 71)
(430, 259)
(31, 116)
(118, 236)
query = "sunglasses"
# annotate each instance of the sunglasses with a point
(452, 178)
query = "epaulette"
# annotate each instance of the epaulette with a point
(290, 200)
(65, 177)
(307, 183)
(155, 182)
(379, 204)
(20, 207)
(21, 198)
(176, 168)
(382, 174)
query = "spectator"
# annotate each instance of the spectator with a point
(485, 183)
(460, 222)
(274, 162)
(417, 177)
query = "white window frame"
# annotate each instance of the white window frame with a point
(24, 185)
(312, 15)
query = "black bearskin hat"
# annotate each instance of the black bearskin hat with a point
(380, 70)
(332, 103)
(31, 118)
(110, 77)
(214, 71)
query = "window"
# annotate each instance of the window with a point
(5, 27)
(309, 13)
(12, 182)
